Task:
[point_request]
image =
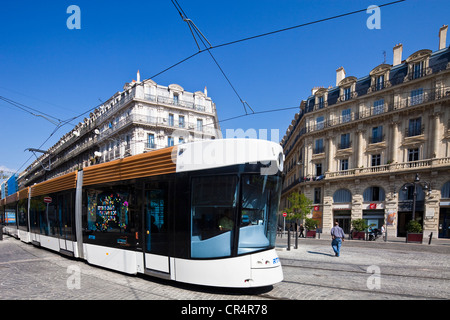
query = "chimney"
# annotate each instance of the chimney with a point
(340, 75)
(314, 90)
(443, 37)
(398, 50)
(138, 76)
(205, 91)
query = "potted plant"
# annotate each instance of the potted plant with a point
(310, 226)
(359, 229)
(414, 232)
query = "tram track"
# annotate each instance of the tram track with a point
(362, 271)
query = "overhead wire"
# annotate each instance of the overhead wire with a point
(212, 47)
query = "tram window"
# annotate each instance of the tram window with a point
(214, 201)
(108, 211)
(23, 214)
(156, 222)
(260, 200)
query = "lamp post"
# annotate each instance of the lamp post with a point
(416, 182)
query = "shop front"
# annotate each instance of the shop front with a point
(444, 220)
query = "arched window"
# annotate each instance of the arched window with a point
(445, 191)
(373, 194)
(342, 196)
(408, 194)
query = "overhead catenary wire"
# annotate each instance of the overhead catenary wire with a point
(212, 47)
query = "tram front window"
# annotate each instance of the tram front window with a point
(260, 200)
(216, 218)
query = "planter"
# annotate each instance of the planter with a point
(414, 237)
(311, 234)
(359, 235)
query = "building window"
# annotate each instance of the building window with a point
(345, 141)
(378, 107)
(175, 99)
(180, 140)
(418, 70)
(318, 169)
(347, 94)
(346, 115)
(319, 146)
(377, 134)
(181, 121)
(321, 102)
(415, 127)
(171, 121)
(380, 82)
(170, 141)
(416, 96)
(373, 194)
(413, 154)
(199, 125)
(343, 164)
(342, 196)
(320, 123)
(151, 141)
(317, 195)
(376, 160)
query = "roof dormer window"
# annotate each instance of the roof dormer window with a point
(418, 64)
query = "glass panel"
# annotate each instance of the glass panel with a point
(156, 237)
(260, 200)
(213, 215)
(108, 211)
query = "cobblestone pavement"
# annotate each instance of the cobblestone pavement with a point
(365, 270)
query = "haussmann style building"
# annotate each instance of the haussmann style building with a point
(361, 148)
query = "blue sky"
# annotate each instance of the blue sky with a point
(64, 72)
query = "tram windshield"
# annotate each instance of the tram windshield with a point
(220, 213)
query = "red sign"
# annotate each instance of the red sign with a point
(373, 206)
(284, 214)
(316, 208)
(48, 199)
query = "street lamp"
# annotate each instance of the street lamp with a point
(426, 186)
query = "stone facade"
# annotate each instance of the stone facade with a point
(355, 149)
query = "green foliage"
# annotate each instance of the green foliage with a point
(359, 225)
(300, 206)
(414, 227)
(310, 224)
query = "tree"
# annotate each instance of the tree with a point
(300, 206)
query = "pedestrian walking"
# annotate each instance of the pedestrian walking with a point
(301, 231)
(337, 235)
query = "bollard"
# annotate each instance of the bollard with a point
(1, 232)
(431, 236)
(296, 240)
(289, 240)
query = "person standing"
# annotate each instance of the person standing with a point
(337, 235)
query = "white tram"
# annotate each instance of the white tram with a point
(202, 213)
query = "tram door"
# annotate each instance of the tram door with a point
(156, 230)
(64, 214)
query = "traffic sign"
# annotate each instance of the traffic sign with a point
(285, 214)
(48, 199)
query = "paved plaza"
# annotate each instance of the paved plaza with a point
(365, 271)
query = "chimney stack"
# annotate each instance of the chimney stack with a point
(398, 50)
(340, 75)
(138, 79)
(443, 37)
